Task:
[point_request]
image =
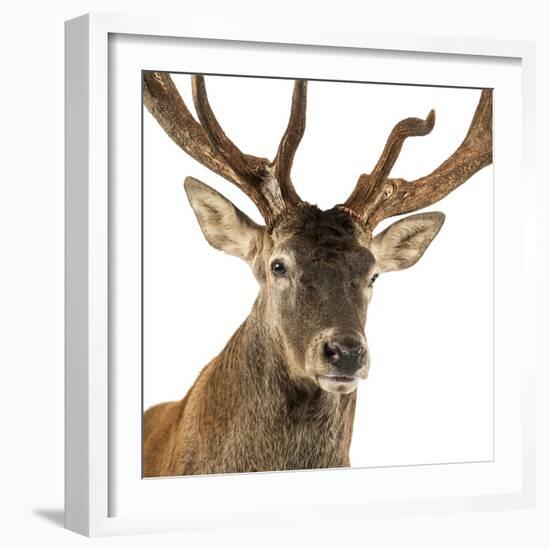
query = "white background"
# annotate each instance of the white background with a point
(31, 299)
(429, 397)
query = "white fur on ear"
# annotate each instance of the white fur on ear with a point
(404, 242)
(224, 226)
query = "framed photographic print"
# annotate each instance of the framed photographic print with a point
(364, 344)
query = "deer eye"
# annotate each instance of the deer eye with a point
(373, 278)
(278, 268)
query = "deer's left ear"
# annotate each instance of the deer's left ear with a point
(404, 242)
(224, 226)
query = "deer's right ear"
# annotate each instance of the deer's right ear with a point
(404, 242)
(224, 226)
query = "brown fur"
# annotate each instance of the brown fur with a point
(247, 415)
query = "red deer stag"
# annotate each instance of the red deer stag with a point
(281, 394)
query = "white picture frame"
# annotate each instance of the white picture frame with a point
(92, 215)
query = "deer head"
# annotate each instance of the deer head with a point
(316, 269)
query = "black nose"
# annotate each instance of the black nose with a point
(347, 358)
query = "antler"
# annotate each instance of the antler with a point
(267, 183)
(377, 197)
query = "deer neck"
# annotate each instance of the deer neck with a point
(270, 384)
(258, 415)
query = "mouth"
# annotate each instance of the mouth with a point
(338, 383)
(339, 378)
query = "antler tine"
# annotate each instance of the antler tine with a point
(474, 153)
(164, 102)
(370, 188)
(245, 166)
(207, 143)
(290, 141)
(377, 197)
